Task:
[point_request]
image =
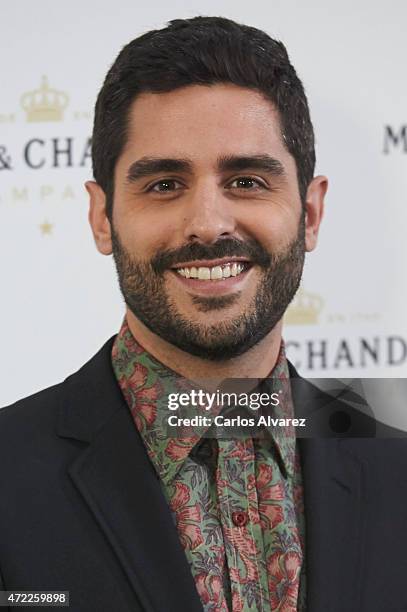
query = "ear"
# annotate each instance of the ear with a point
(98, 219)
(314, 210)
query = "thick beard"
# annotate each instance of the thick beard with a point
(143, 287)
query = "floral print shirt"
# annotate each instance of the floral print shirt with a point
(237, 503)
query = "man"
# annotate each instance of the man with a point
(205, 193)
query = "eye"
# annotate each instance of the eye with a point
(164, 186)
(248, 183)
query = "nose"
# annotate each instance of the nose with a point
(207, 216)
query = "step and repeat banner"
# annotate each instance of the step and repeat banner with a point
(60, 299)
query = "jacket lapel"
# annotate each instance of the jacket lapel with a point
(120, 486)
(334, 477)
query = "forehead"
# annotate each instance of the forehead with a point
(203, 122)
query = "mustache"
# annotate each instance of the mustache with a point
(225, 247)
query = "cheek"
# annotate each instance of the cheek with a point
(146, 239)
(276, 231)
(144, 228)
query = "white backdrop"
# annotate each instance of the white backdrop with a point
(60, 299)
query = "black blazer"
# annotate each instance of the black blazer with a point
(81, 509)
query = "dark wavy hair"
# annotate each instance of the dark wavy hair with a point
(200, 51)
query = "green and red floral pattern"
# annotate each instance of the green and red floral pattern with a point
(239, 512)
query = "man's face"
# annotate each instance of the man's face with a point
(208, 233)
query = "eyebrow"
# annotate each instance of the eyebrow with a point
(148, 166)
(266, 163)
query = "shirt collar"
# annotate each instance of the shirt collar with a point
(145, 383)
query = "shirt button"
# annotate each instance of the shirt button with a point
(240, 519)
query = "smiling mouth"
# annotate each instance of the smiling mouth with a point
(214, 273)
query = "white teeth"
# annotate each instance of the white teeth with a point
(215, 273)
(204, 273)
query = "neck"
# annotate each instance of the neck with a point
(256, 363)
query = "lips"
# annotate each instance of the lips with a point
(215, 281)
(211, 263)
(213, 273)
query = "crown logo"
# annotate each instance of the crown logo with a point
(44, 103)
(304, 309)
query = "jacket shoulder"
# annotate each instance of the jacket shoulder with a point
(32, 414)
(34, 406)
